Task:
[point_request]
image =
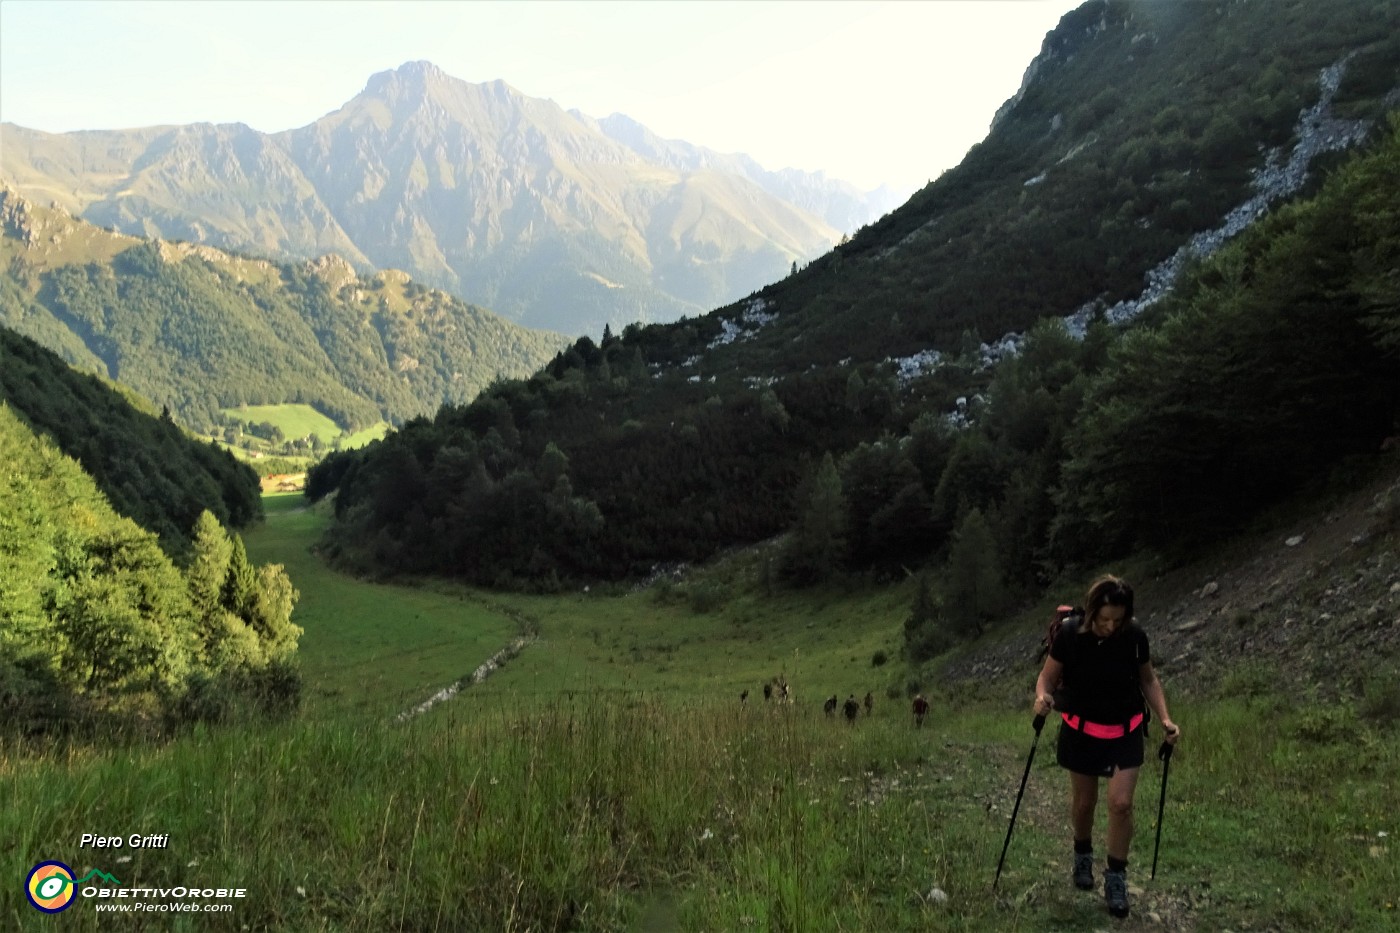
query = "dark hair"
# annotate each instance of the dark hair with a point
(1108, 590)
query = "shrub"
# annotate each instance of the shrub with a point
(1249, 680)
(277, 688)
(930, 641)
(1386, 508)
(664, 592)
(1380, 699)
(1328, 723)
(708, 596)
(273, 690)
(31, 700)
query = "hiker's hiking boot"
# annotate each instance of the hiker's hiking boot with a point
(1084, 871)
(1115, 892)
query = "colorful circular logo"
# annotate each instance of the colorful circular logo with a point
(50, 887)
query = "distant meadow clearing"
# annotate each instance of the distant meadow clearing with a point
(301, 421)
(609, 778)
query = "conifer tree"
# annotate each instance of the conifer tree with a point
(209, 568)
(974, 584)
(817, 545)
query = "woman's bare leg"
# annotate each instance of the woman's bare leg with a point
(1120, 811)
(1084, 797)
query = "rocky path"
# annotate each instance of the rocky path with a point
(487, 668)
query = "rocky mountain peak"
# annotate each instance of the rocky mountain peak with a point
(1075, 29)
(467, 186)
(410, 75)
(332, 269)
(420, 92)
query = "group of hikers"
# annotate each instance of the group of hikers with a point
(778, 689)
(1098, 676)
(851, 708)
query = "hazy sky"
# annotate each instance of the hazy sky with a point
(869, 92)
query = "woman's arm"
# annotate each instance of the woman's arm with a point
(1045, 686)
(1157, 701)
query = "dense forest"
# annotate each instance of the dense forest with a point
(127, 598)
(147, 467)
(103, 629)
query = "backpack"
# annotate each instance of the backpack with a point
(1063, 614)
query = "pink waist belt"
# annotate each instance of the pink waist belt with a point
(1099, 730)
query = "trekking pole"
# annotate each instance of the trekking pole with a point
(1038, 723)
(1164, 753)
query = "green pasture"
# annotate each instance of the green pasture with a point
(296, 420)
(821, 642)
(364, 436)
(415, 640)
(633, 812)
(370, 647)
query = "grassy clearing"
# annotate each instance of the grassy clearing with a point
(293, 420)
(363, 437)
(821, 642)
(608, 779)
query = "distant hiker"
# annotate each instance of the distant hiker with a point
(767, 692)
(851, 708)
(869, 702)
(744, 697)
(829, 707)
(1107, 683)
(920, 709)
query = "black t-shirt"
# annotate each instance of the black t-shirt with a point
(1102, 679)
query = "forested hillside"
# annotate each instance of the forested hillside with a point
(147, 467)
(1270, 363)
(197, 330)
(102, 627)
(1141, 123)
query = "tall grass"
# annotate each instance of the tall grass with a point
(583, 814)
(609, 779)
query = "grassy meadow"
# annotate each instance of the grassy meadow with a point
(297, 420)
(608, 778)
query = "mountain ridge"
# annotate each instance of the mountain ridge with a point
(199, 329)
(506, 200)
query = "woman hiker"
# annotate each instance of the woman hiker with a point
(1099, 674)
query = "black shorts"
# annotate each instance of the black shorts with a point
(1084, 754)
